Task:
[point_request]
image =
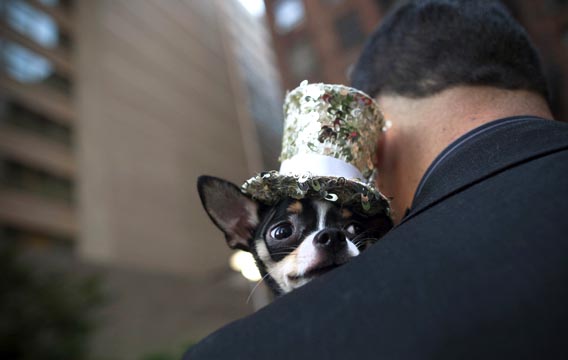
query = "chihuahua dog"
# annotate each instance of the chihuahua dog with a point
(292, 241)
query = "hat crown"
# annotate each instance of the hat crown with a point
(334, 121)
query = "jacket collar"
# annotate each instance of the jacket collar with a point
(491, 150)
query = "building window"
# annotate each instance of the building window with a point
(59, 83)
(288, 14)
(65, 5)
(24, 65)
(52, 3)
(16, 115)
(349, 31)
(302, 61)
(31, 22)
(384, 4)
(36, 240)
(19, 176)
(556, 5)
(331, 2)
(65, 41)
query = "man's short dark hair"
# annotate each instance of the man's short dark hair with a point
(426, 46)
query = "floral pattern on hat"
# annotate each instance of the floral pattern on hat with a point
(335, 121)
(332, 120)
(270, 187)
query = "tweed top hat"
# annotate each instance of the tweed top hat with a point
(329, 142)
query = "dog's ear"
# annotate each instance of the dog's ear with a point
(233, 212)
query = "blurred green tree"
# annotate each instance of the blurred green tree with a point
(44, 315)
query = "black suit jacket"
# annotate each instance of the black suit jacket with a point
(477, 270)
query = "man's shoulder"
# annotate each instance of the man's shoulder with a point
(510, 189)
(494, 149)
(479, 273)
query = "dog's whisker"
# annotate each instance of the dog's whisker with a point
(257, 285)
(360, 242)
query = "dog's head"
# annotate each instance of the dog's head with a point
(292, 241)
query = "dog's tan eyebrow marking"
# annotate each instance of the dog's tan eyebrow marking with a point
(295, 207)
(346, 213)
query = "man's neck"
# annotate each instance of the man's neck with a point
(422, 128)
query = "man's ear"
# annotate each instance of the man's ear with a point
(232, 211)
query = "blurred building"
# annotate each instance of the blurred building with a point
(547, 24)
(320, 40)
(37, 115)
(110, 109)
(251, 43)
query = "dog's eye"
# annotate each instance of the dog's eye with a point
(282, 231)
(353, 228)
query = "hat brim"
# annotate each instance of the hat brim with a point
(271, 187)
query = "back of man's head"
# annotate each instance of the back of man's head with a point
(426, 46)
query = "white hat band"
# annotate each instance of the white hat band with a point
(319, 165)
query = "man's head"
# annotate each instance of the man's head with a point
(426, 46)
(439, 68)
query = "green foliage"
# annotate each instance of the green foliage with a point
(44, 316)
(174, 354)
(160, 356)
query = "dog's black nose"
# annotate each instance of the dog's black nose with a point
(331, 240)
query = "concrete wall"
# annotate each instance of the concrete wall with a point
(147, 312)
(158, 105)
(156, 109)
